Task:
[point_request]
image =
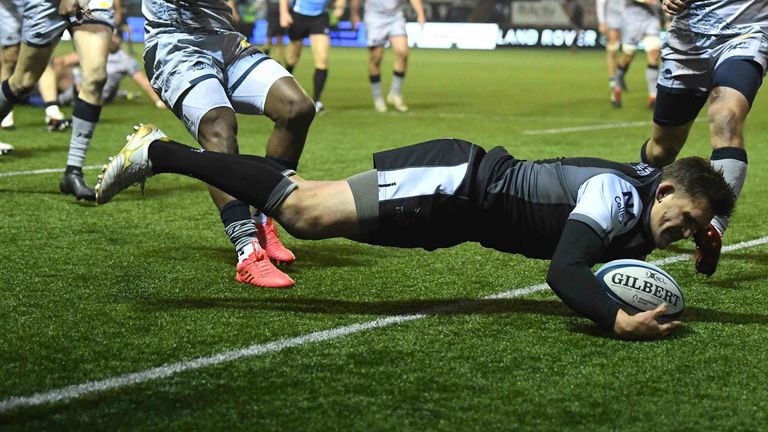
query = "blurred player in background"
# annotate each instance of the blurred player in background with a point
(385, 21)
(310, 18)
(640, 22)
(274, 31)
(206, 72)
(120, 65)
(11, 16)
(574, 211)
(609, 23)
(91, 24)
(716, 51)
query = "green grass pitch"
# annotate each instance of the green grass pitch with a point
(90, 294)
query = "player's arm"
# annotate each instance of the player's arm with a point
(600, 6)
(354, 12)
(338, 8)
(141, 79)
(118, 8)
(235, 14)
(570, 274)
(570, 277)
(286, 20)
(418, 6)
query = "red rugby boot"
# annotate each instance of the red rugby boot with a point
(257, 270)
(707, 253)
(269, 239)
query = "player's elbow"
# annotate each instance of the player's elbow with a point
(556, 274)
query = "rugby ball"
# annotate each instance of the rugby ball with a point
(639, 286)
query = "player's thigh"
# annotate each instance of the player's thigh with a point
(195, 103)
(250, 79)
(92, 46)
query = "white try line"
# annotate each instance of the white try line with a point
(79, 390)
(43, 171)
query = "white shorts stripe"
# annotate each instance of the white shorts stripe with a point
(409, 182)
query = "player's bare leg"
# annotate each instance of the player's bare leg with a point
(292, 110)
(29, 67)
(10, 55)
(321, 45)
(49, 91)
(375, 55)
(400, 49)
(92, 46)
(611, 50)
(292, 54)
(652, 45)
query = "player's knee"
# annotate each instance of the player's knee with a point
(25, 84)
(297, 112)
(218, 132)
(300, 217)
(612, 47)
(725, 121)
(651, 42)
(628, 49)
(93, 82)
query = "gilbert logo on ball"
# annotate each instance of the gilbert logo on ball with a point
(639, 286)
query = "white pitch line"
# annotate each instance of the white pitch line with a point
(593, 127)
(43, 171)
(79, 390)
(587, 128)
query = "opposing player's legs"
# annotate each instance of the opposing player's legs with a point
(612, 46)
(92, 46)
(400, 48)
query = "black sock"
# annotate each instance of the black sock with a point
(289, 68)
(252, 179)
(319, 81)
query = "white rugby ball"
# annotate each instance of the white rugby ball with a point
(639, 286)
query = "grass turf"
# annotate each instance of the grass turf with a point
(90, 293)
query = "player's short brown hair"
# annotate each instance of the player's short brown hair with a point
(698, 179)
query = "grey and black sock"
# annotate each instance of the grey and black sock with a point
(375, 86)
(238, 225)
(732, 161)
(84, 119)
(397, 82)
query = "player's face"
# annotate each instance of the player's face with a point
(676, 216)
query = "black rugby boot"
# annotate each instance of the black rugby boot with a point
(73, 184)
